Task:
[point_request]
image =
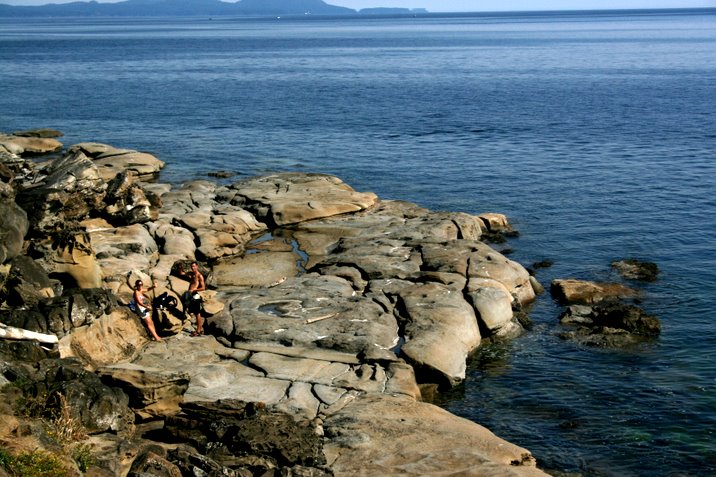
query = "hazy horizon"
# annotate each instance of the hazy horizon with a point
(519, 5)
(472, 5)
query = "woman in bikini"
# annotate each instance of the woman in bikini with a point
(144, 308)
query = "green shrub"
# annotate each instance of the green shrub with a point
(82, 455)
(32, 464)
(5, 459)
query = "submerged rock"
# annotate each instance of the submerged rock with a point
(633, 269)
(41, 132)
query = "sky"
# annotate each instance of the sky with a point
(479, 5)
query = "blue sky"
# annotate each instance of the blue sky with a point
(480, 5)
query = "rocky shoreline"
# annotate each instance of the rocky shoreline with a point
(332, 316)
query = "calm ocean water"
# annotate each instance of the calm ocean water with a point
(594, 133)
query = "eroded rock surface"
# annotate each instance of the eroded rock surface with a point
(111, 161)
(359, 444)
(290, 198)
(328, 309)
(573, 291)
(28, 144)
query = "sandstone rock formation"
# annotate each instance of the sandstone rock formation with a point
(329, 309)
(282, 199)
(20, 144)
(111, 161)
(572, 291)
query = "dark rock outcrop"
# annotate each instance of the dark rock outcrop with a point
(233, 433)
(609, 324)
(71, 191)
(14, 226)
(633, 269)
(61, 314)
(66, 386)
(27, 283)
(126, 202)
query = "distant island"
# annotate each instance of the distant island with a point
(138, 8)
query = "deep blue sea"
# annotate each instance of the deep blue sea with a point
(594, 132)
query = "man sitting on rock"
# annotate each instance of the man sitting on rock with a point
(142, 307)
(191, 298)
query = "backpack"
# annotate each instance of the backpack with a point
(165, 301)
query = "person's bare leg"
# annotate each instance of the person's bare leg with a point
(150, 326)
(199, 325)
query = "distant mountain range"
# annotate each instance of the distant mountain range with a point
(139, 8)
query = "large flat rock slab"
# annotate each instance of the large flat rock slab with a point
(215, 371)
(255, 269)
(385, 435)
(290, 198)
(312, 311)
(121, 250)
(28, 145)
(111, 161)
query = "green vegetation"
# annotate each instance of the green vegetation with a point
(32, 464)
(65, 428)
(82, 455)
(54, 411)
(32, 406)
